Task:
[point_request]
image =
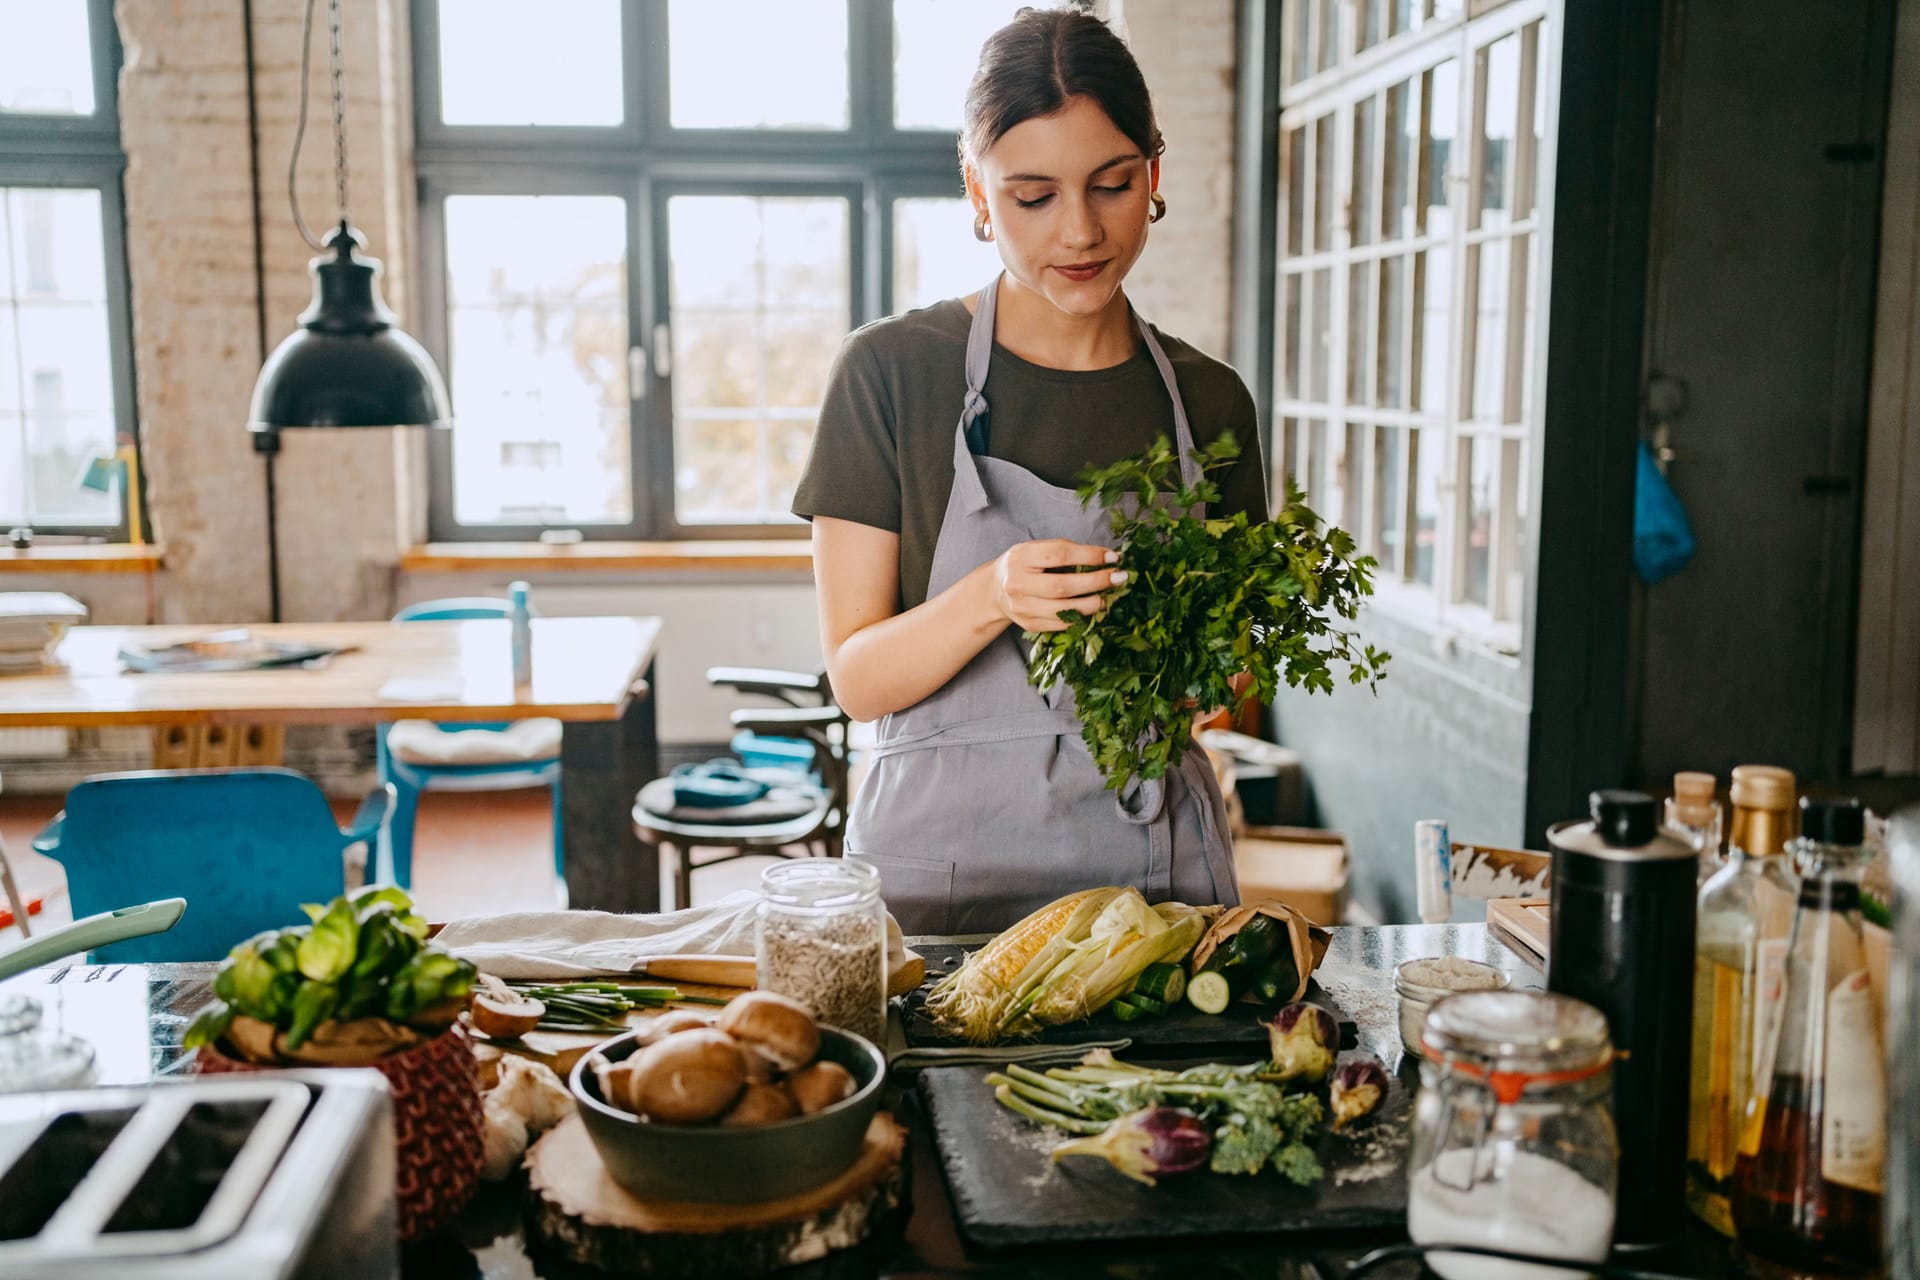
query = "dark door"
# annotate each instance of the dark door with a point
(1760, 314)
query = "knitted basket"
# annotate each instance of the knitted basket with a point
(436, 1123)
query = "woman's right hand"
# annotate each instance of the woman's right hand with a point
(1032, 598)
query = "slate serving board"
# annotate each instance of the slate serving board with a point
(1008, 1192)
(1181, 1028)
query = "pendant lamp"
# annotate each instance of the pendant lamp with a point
(348, 364)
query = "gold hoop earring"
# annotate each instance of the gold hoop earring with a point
(1159, 207)
(982, 229)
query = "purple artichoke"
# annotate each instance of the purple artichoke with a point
(1358, 1087)
(1304, 1039)
(1141, 1144)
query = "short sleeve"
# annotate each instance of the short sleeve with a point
(853, 471)
(1244, 487)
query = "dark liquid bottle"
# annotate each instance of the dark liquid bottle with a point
(1807, 1185)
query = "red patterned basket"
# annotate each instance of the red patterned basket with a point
(436, 1124)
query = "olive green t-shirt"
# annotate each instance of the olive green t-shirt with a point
(883, 452)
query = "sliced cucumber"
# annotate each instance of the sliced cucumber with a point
(1146, 1004)
(1209, 992)
(1126, 1011)
(1164, 982)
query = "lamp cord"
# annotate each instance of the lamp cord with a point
(339, 119)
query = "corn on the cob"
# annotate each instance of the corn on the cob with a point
(972, 1000)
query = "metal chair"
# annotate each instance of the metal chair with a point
(244, 847)
(810, 716)
(419, 755)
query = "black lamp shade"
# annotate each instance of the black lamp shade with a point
(348, 365)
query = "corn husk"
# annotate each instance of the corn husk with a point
(1062, 963)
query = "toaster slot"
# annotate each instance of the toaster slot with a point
(189, 1167)
(58, 1160)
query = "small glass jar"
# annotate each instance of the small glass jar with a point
(821, 938)
(34, 1058)
(1513, 1138)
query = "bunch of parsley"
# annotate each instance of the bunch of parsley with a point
(1204, 600)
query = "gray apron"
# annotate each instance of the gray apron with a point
(982, 803)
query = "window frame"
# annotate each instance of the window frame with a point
(84, 153)
(1334, 90)
(646, 161)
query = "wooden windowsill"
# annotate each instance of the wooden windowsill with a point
(82, 557)
(716, 555)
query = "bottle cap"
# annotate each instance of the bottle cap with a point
(1833, 820)
(1696, 788)
(1624, 819)
(1762, 786)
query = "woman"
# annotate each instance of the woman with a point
(936, 545)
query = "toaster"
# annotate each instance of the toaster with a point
(273, 1174)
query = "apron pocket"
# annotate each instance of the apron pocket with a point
(918, 891)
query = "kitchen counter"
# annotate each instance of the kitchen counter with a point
(135, 1016)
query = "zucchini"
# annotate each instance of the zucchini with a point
(1209, 992)
(1146, 1004)
(1242, 957)
(1163, 982)
(1277, 981)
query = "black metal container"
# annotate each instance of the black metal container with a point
(1623, 941)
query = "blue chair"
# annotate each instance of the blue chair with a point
(419, 755)
(244, 847)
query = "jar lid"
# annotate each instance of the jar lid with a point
(1518, 1039)
(822, 884)
(1623, 828)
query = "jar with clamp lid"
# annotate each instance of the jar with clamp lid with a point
(821, 939)
(1513, 1138)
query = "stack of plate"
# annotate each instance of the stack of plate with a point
(31, 624)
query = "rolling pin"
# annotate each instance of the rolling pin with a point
(738, 971)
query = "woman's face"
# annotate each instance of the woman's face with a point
(1067, 197)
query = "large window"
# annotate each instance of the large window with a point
(1411, 177)
(66, 401)
(648, 225)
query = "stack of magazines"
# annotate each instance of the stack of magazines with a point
(31, 625)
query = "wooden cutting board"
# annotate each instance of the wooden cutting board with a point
(1008, 1192)
(1528, 922)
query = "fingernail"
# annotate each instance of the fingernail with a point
(1117, 577)
(1113, 557)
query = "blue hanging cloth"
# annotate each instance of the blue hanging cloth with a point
(1662, 537)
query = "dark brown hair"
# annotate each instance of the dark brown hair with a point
(1034, 64)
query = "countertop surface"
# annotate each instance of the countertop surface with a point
(135, 1015)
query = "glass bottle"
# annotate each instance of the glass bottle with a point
(1808, 1184)
(821, 939)
(1513, 1138)
(1693, 811)
(1746, 912)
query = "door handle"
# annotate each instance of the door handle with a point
(1664, 452)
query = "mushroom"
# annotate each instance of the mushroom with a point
(759, 1104)
(780, 1028)
(819, 1086)
(501, 1013)
(672, 1021)
(688, 1078)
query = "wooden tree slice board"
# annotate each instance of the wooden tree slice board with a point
(580, 1212)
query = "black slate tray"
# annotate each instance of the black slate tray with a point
(1181, 1028)
(1008, 1193)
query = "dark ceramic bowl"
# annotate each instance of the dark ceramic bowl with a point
(732, 1166)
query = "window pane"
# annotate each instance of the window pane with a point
(46, 58)
(936, 45)
(537, 356)
(1323, 184)
(1429, 454)
(1290, 338)
(1390, 501)
(1529, 329)
(1389, 390)
(1319, 336)
(1483, 473)
(1299, 56)
(1327, 34)
(1366, 150)
(1443, 116)
(1359, 331)
(1402, 135)
(1350, 485)
(1316, 468)
(760, 299)
(1433, 338)
(56, 366)
(1522, 553)
(1490, 336)
(1500, 65)
(1284, 468)
(1373, 23)
(758, 64)
(935, 255)
(1295, 167)
(502, 65)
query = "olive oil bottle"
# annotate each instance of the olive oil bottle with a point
(1745, 915)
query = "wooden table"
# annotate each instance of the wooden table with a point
(592, 674)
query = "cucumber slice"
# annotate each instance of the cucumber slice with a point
(1164, 982)
(1209, 992)
(1125, 1011)
(1146, 1004)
